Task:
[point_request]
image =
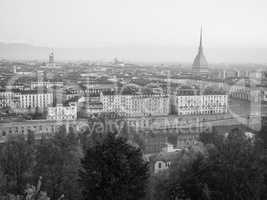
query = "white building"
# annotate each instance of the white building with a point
(93, 107)
(34, 99)
(46, 84)
(130, 105)
(246, 93)
(264, 95)
(201, 104)
(61, 112)
(240, 92)
(163, 161)
(157, 105)
(25, 100)
(16, 87)
(6, 98)
(170, 148)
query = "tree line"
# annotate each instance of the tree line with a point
(109, 167)
(78, 166)
(232, 166)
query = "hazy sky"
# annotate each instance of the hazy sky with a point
(90, 23)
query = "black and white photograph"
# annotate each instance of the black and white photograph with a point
(133, 99)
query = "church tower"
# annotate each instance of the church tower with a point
(51, 58)
(200, 64)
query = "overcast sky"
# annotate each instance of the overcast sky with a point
(90, 23)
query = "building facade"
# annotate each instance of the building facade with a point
(60, 112)
(201, 104)
(159, 105)
(136, 105)
(7, 99)
(45, 84)
(34, 99)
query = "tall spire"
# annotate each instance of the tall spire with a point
(200, 41)
(200, 59)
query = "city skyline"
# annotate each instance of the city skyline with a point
(112, 23)
(136, 54)
(134, 31)
(133, 99)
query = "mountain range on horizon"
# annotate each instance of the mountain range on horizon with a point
(23, 51)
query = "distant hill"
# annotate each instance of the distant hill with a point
(135, 53)
(22, 51)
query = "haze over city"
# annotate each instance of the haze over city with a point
(133, 100)
(150, 30)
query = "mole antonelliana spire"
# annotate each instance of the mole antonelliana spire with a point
(200, 59)
(200, 63)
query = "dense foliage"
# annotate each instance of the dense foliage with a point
(16, 163)
(113, 169)
(58, 162)
(111, 166)
(56, 159)
(233, 168)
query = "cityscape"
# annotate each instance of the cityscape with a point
(118, 128)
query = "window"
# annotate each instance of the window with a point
(159, 165)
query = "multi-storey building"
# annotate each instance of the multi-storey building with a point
(45, 84)
(16, 87)
(155, 105)
(130, 105)
(97, 88)
(8, 99)
(34, 99)
(20, 101)
(60, 112)
(72, 93)
(90, 108)
(4, 102)
(240, 92)
(247, 93)
(201, 104)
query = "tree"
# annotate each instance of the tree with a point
(211, 137)
(263, 136)
(99, 128)
(113, 169)
(16, 162)
(158, 186)
(57, 161)
(2, 182)
(233, 169)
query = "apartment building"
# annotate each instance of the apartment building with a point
(7, 99)
(133, 105)
(46, 84)
(201, 104)
(34, 99)
(60, 112)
